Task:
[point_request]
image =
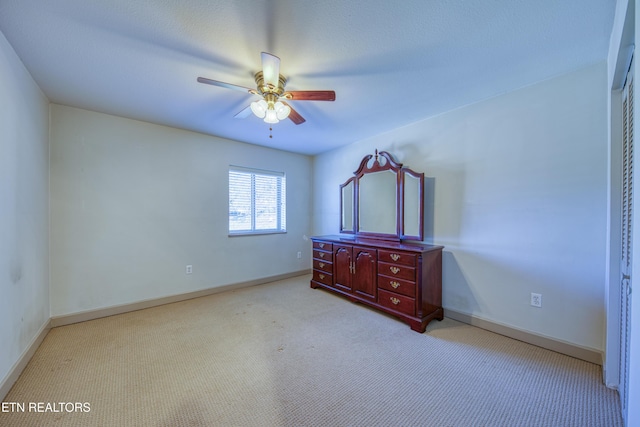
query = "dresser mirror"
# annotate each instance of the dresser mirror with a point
(413, 206)
(347, 193)
(377, 214)
(384, 200)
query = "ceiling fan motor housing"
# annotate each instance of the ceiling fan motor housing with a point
(265, 88)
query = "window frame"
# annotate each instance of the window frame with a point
(281, 201)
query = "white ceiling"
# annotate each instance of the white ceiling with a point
(390, 63)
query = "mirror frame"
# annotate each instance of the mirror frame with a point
(383, 161)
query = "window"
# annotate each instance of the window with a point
(257, 201)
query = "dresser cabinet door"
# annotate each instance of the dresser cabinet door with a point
(342, 265)
(365, 272)
(356, 270)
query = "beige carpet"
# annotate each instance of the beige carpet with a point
(283, 354)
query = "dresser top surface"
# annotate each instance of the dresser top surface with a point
(378, 243)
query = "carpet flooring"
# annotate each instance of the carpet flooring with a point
(282, 354)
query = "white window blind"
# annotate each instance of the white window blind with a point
(257, 201)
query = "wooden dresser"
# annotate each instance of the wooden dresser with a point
(401, 279)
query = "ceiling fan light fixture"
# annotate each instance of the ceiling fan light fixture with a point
(271, 116)
(282, 110)
(259, 108)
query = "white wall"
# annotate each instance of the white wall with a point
(24, 209)
(132, 203)
(519, 200)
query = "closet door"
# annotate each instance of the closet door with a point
(627, 226)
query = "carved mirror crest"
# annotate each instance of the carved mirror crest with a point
(383, 200)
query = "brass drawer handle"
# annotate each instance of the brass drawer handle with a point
(321, 245)
(321, 254)
(321, 264)
(394, 270)
(321, 276)
(394, 300)
(395, 285)
(395, 257)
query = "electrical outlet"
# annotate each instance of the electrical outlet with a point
(299, 255)
(536, 299)
(189, 269)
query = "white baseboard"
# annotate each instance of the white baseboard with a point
(23, 360)
(84, 316)
(584, 353)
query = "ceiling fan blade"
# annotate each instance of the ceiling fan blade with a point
(295, 116)
(225, 85)
(310, 95)
(270, 69)
(244, 113)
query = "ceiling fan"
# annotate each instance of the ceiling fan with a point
(273, 106)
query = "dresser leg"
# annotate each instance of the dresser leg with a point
(419, 327)
(422, 326)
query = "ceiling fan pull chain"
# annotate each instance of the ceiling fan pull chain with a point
(270, 131)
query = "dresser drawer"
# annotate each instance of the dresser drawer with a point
(400, 286)
(323, 265)
(397, 302)
(323, 277)
(322, 255)
(324, 246)
(397, 271)
(396, 257)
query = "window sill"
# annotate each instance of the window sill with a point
(255, 233)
